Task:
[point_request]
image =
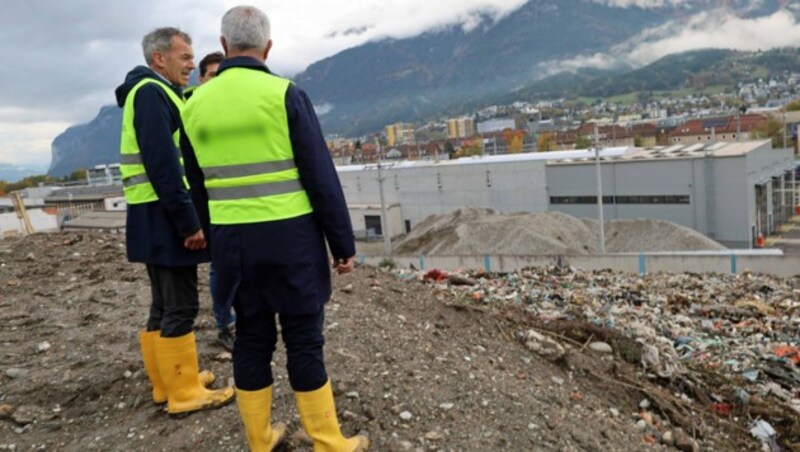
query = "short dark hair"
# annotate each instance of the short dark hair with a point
(211, 58)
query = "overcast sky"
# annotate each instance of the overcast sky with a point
(63, 58)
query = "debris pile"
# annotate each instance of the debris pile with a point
(541, 359)
(730, 342)
(479, 231)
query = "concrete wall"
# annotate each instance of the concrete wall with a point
(437, 189)
(780, 266)
(673, 177)
(115, 204)
(721, 189)
(732, 200)
(393, 213)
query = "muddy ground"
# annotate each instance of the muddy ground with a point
(413, 366)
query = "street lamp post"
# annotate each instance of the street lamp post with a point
(387, 240)
(600, 219)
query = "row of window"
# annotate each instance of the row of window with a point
(627, 199)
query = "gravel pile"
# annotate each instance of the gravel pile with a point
(479, 231)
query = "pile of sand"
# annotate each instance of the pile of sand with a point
(478, 231)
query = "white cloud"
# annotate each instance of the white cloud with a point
(728, 31)
(64, 58)
(714, 29)
(641, 3)
(28, 144)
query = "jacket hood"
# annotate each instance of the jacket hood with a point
(134, 76)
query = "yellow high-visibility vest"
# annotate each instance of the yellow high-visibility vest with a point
(239, 129)
(135, 183)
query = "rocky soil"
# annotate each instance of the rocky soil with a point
(416, 364)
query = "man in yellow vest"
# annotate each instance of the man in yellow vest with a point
(274, 199)
(222, 314)
(163, 228)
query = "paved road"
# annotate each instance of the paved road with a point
(789, 240)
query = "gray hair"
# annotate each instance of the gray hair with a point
(160, 40)
(245, 28)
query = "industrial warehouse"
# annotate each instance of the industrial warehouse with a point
(731, 192)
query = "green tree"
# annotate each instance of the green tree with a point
(79, 174)
(474, 147)
(583, 142)
(449, 149)
(30, 181)
(638, 141)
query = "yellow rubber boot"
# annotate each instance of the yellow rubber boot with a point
(255, 407)
(177, 365)
(148, 347)
(318, 416)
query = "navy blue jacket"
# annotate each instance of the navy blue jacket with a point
(155, 231)
(283, 266)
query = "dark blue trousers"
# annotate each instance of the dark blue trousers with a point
(256, 338)
(175, 301)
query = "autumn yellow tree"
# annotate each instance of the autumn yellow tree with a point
(547, 142)
(515, 140)
(793, 105)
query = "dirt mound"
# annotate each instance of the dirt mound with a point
(415, 364)
(480, 231)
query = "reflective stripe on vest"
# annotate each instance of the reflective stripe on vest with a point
(135, 183)
(240, 134)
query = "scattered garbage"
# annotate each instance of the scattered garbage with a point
(762, 430)
(738, 333)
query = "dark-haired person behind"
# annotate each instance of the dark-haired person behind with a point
(163, 226)
(208, 69)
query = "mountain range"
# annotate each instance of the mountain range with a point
(544, 48)
(14, 173)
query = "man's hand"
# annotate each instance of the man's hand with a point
(196, 241)
(343, 266)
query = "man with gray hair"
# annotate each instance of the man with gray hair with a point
(163, 227)
(274, 200)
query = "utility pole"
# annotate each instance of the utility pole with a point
(419, 153)
(784, 126)
(387, 240)
(738, 125)
(741, 109)
(599, 191)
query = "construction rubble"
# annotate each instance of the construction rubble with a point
(730, 342)
(548, 359)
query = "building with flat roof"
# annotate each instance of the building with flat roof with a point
(71, 202)
(731, 192)
(463, 127)
(399, 133)
(496, 125)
